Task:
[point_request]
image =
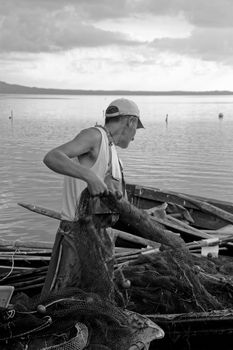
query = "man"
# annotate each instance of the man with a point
(89, 161)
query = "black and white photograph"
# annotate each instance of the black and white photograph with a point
(116, 174)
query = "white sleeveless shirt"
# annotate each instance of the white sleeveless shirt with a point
(73, 187)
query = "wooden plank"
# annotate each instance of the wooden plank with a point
(26, 244)
(24, 258)
(209, 208)
(156, 195)
(135, 239)
(188, 229)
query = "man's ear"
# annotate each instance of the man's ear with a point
(132, 120)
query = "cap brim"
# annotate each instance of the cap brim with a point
(140, 125)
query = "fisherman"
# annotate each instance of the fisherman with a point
(89, 161)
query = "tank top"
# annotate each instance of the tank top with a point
(72, 187)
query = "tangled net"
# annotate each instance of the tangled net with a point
(53, 321)
(167, 283)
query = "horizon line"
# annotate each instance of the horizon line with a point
(17, 88)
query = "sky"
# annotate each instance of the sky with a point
(157, 45)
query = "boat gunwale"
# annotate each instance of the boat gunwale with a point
(136, 187)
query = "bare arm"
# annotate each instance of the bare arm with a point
(85, 144)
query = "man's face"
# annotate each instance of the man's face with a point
(129, 131)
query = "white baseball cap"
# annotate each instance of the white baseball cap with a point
(123, 106)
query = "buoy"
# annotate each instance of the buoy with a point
(126, 284)
(41, 309)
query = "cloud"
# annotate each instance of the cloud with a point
(27, 30)
(200, 13)
(208, 44)
(200, 30)
(56, 25)
(87, 9)
(203, 13)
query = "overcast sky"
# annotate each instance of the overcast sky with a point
(117, 44)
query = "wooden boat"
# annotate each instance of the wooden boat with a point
(208, 224)
(147, 197)
(201, 222)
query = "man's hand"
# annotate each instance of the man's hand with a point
(95, 185)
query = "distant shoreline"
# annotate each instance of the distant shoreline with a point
(6, 88)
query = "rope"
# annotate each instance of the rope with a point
(12, 265)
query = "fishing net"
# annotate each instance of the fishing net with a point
(79, 342)
(161, 283)
(167, 281)
(83, 254)
(55, 322)
(83, 294)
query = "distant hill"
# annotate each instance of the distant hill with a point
(6, 88)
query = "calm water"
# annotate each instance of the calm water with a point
(192, 153)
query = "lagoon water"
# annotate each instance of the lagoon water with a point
(192, 153)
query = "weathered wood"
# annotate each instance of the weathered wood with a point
(157, 195)
(225, 230)
(159, 214)
(135, 239)
(27, 258)
(209, 208)
(210, 242)
(40, 210)
(134, 255)
(26, 244)
(181, 227)
(185, 228)
(166, 208)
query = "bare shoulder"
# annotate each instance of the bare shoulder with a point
(90, 141)
(92, 135)
(87, 141)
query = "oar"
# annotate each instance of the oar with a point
(210, 242)
(40, 210)
(135, 239)
(124, 235)
(55, 215)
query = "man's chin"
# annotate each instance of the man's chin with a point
(124, 146)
